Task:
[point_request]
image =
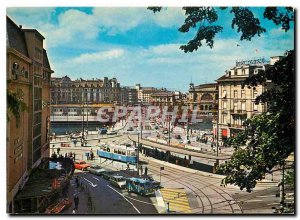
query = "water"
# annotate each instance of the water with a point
(60, 129)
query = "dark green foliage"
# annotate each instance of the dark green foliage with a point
(269, 138)
(203, 19)
(283, 17)
(247, 24)
(15, 105)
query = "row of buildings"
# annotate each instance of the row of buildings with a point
(108, 91)
(28, 81)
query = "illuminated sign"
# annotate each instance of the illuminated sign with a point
(253, 61)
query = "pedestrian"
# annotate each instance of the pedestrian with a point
(127, 165)
(66, 155)
(146, 171)
(74, 156)
(77, 181)
(76, 201)
(58, 150)
(141, 170)
(92, 156)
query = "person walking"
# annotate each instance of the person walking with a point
(58, 150)
(74, 156)
(141, 170)
(146, 171)
(77, 181)
(76, 201)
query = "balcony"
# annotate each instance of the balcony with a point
(238, 112)
(235, 126)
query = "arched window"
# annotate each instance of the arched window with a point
(206, 107)
(206, 97)
(201, 107)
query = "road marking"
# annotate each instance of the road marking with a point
(177, 199)
(96, 178)
(125, 199)
(91, 183)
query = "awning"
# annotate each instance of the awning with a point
(224, 132)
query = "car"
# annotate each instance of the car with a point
(107, 174)
(155, 183)
(186, 142)
(118, 181)
(177, 136)
(156, 127)
(111, 132)
(130, 129)
(165, 131)
(81, 165)
(103, 131)
(96, 169)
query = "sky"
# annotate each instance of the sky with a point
(137, 46)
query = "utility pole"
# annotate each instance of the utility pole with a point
(169, 133)
(138, 155)
(87, 117)
(282, 186)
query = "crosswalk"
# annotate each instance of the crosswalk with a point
(177, 198)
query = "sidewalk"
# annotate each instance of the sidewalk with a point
(83, 207)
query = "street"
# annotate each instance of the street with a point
(201, 191)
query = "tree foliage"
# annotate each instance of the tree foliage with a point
(15, 105)
(204, 20)
(268, 138)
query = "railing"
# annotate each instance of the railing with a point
(235, 126)
(240, 112)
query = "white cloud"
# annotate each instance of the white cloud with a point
(88, 58)
(169, 17)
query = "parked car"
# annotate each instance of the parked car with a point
(81, 165)
(156, 127)
(130, 129)
(103, 131)
(107, 174)
(165, 131)
(118, 181)
(96, 169)
(155, 183)
(186, 141)
(177, 136)
(111, 132)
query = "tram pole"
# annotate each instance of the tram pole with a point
(138, 155)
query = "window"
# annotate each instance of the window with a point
(224, 105)
(243, 72)
(255, 107)
(243, 95)
(243, 106)
(224, 94)
(235, 92)
(254, 93)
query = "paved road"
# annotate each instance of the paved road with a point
(203, 190)
(107, 199)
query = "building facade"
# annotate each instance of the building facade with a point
(94, 91)
(145, 93)
(28, 77)
(237, 103)
(204, 98)
(164, 98)
(129, 96)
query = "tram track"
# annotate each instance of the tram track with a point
(212, 187)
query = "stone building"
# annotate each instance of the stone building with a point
(237, 103)
(93, 91)
(28, 76)
(129, 96)
(145, 93)
(163, 98)
(204, 98)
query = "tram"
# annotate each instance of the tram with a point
(140, 186)
(118, 152)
